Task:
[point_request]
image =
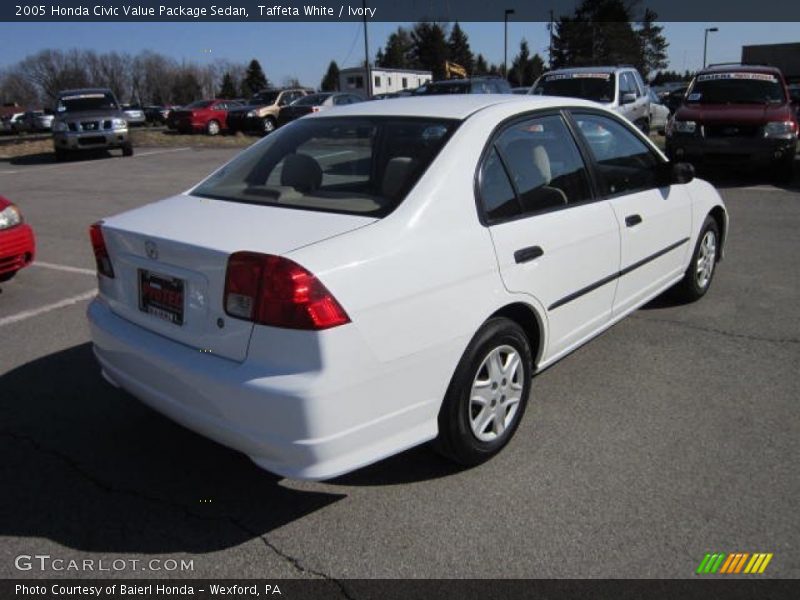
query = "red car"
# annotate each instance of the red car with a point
(204, 115)
(17, 244)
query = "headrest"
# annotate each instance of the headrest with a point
(396, 175)
(301, 172)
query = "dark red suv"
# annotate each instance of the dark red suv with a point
(736, 114)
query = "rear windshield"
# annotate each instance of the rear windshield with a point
(598, 87)
(360, 166)
(88, 101)
(736, 88)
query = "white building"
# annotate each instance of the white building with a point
(384, 81)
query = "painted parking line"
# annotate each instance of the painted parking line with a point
(35, 312)
(91, 162)
(65, 268)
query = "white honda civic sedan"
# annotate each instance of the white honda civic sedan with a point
(388, 273)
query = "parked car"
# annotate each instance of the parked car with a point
(156, 114)
(659, 114)
(134, 114)
(383, 274)
(210, 116)
(17, 242)
(314, 103)
(34, 121)
(675, 98)
(261, 112)
(619, 88)
(8, 124)
(89, 119)
(476, 85)
(736, 114)
(521, 90)
(794, 95)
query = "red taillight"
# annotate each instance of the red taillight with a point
(101, 256)
(271, 290)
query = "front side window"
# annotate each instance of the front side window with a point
(543, 167)
(623, 162)
(361, 166)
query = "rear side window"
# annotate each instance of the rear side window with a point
(541, 166)
(623, 162)
(363, 166)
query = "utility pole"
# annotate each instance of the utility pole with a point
(509, 11)
(366, 54)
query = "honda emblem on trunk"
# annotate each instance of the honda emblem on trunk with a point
(151, 249)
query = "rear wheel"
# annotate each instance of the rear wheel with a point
(784, 170)
(61, 155)
(487, 395)
(213, 128)
(698, 276)
(127, 150)
(268, 125)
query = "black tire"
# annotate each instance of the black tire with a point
(693, 287)
(127, 150)
(7, 276)
(783, 171)
(61, 155)
(644, 125)
(268, 125)
(456, 439)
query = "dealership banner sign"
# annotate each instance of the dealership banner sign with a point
(377, 10)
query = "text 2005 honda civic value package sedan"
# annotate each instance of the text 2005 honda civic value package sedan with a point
(380, 275)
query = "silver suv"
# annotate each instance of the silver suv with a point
(89, 119)
(619, 88)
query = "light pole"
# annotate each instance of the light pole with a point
(367, 70)
(509, 11)
(705, 42)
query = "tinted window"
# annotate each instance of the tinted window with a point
(312, 100)
(590, 85)
(624, 162)
(87, 101)
(359, 165)
(736, 88)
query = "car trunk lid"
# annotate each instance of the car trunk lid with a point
(170, 260)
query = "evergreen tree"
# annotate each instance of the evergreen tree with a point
(430, 48)
(653, 44)
(254, 79)
(481, 68)
(397, 54)
(228, 89)
(459, 50)
(525, 69)
(330, 83)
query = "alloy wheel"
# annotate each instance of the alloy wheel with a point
(496, 393)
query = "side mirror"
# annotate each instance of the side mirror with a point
(628, 98)
(672, 173)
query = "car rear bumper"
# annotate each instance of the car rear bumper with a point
(90, 140)
(298, 421)
(759, 151)
(17, 248)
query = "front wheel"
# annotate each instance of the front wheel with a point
(488, 394)
(698, 276)
(268, 125)
(127, 150)
(7, 276)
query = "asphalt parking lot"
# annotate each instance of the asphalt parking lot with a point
(674, 434)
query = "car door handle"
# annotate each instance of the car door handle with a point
(632, 220)
(528, 254)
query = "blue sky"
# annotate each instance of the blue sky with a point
(303, 50)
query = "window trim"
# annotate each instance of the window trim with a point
(592, 163)
(499, 129)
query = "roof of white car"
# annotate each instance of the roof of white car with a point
(448, 106)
